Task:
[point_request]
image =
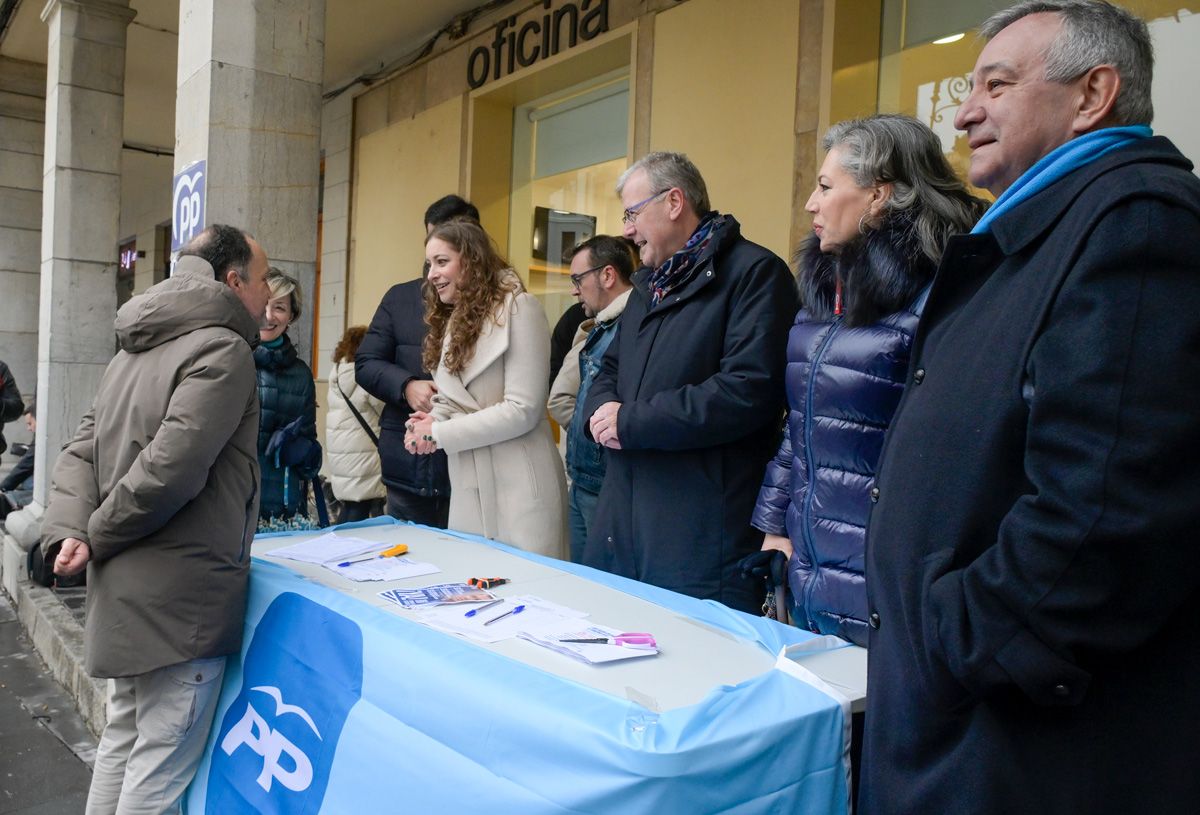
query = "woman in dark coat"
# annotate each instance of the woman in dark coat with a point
(886, 203)
(286, 394)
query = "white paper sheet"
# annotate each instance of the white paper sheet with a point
(384, 568)
(538, 615)
(328, 548)
(592, 653)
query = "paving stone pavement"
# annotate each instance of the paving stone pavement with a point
(46, 750)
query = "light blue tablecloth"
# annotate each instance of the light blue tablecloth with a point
(335, 706)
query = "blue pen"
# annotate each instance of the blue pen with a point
(516, 610)
(484, 607)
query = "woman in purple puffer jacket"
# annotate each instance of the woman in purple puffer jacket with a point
(886, 203)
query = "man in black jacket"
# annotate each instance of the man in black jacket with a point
(11, 405)
(17, 487)
(1032, 567)
(388, 365)
(689, 399)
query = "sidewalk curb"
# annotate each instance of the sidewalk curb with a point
(55, 634)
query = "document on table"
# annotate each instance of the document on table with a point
(437, 593)
(592, 653)
(328, 548)
(383, 568)
(537, 616)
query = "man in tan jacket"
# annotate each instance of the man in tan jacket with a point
(157, 496)
(600, 270)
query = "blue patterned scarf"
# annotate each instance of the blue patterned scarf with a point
(1064, 159)
(683, 265)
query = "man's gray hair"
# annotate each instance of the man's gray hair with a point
(670, 170)
(1093, 33)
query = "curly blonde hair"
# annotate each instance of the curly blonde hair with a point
(486, 279)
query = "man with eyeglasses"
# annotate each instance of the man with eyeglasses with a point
(689, 398)
(600, 271)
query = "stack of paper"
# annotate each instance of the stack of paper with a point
(332, 551)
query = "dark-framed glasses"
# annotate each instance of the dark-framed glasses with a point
(630, 214)
(577, 279)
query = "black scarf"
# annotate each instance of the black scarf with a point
(881, 272)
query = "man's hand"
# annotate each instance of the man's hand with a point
(72, 557)
(778, 542)
(418, 439)
(604, 425)
(419, 394)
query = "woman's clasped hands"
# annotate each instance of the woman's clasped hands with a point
(418, 435)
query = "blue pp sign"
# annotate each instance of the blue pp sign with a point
(277, 740)
(187, 204)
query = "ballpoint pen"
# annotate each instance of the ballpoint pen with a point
(393, 551)
(516, 610)
(484, 607)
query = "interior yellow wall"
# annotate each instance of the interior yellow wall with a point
(399, 171)
(724, 92)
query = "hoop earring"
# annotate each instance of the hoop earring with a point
(862, 229)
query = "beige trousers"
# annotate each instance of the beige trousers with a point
(158, 723)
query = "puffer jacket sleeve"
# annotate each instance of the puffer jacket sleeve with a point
(172, 469)
(375, 366)
(74, 493)
(310, 419)
(774, 497)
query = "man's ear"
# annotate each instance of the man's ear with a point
(1098, 91)
(232, 279)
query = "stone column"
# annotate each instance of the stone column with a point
(81, 199)
(249, 103)
(22, 131)
(337, 124)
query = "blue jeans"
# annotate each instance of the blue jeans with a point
(582, 504)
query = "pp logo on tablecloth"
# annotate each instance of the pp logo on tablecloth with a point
(302, 675)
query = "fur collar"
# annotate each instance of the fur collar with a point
(882, 272)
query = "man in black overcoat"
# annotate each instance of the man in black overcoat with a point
(388, 365)
(689, 399)
(1032, 557)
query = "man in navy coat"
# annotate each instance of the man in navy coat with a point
(689, 398)
(1032, 557)
(388, 365)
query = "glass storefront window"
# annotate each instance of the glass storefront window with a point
(915, 57)
(568, 151)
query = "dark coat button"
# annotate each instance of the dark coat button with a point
(918, 376)
(873, 620)
(1062, 691)
(874, 494)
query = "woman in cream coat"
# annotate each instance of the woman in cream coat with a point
(351, 455)
(489, 346)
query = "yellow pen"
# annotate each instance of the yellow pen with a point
(398, 549)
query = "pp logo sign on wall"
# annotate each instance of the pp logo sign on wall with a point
(302, 675)
(187, 204)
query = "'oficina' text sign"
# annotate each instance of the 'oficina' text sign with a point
(537, 39)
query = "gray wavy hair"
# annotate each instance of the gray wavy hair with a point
(666, 171)
(1093, 33)
(899, 150)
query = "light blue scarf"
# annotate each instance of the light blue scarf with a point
(1060, 161)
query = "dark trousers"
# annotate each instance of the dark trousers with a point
(420, 509)
(359, 510)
